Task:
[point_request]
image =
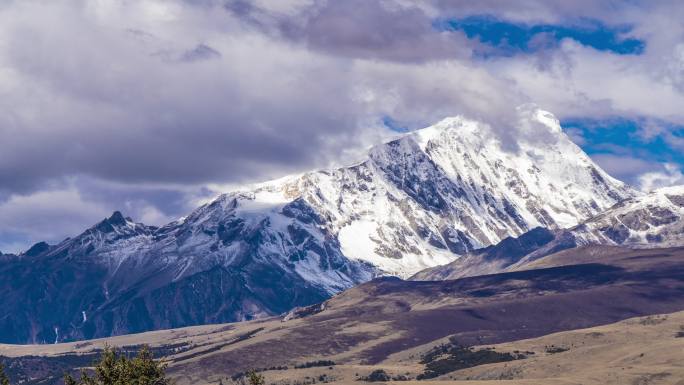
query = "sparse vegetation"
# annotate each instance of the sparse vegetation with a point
(313, 364)
(653, 320)
(680, 333)
(240, 338)
(553, 349)
(452, 356)
(377, 376)
(527, 352)
(380, 375)
(240, 375)
(252, 377)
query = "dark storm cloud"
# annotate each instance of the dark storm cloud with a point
(97, 91)
(200, 52)
(108, 105)
(361, 29)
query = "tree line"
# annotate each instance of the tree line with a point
(116, 368)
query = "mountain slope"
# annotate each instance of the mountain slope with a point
(418, 201)
(120, 277)
(653, 220)
(492, 259)
(378, 322)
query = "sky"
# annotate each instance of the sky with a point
(151, 107)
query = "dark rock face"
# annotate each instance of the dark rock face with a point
(53, 300)
(537, 242)
(411, 175)
(37, 249)
(676, 199)
(38, 296)
(618, 233)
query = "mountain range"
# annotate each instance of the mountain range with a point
(650, 221)
(418, 201)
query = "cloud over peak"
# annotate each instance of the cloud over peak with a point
(150, 103)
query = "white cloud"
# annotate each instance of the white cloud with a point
(671, 176)
(45, 215)
(627, 168)
(576, 135)
(150, 215)
(99, 90)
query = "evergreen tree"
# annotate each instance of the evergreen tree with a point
(115, 368)
(68, 380)
(255, 378)
(4, 380)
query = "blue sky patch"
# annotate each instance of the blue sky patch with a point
(623, 137)
(619, 134)
(507, 38)
(394, 125)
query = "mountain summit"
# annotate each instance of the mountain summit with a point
(431, 195)
(417, 201)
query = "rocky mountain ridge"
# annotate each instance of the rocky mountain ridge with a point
(652, 221)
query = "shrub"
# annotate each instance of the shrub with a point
(377, 375)
(553, 349)
(4, 380)
(313, 364)
(452, 356)
(680, 333)
(255, 379)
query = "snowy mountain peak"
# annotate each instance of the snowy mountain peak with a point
(417, 201)
(117, 219)
(428, 196)
(114, 222)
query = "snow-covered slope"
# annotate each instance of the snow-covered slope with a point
(652, 220)
(418, 201)
(431, 195)
(231, 260)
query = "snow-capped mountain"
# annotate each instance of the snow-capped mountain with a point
(418, 201)
(425, 198)
(653, 220)
(220, 264)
